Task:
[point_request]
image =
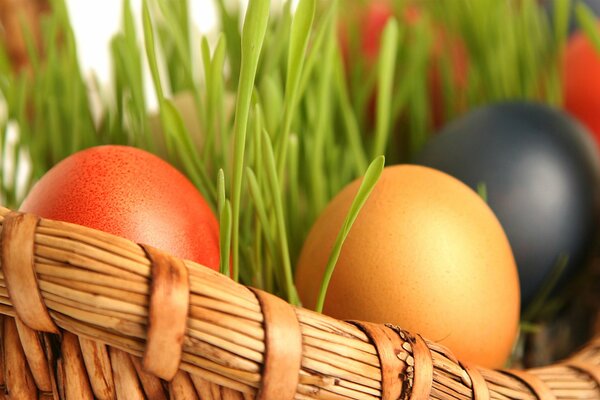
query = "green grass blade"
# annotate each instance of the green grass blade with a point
(221, 195)
(315, 52)
(366, 187)
(274, 46)
(173, 126)
(560, 20)
(271, 94)
(263, 262)
(151, 51)
(253, 35)
(208, 124)
(349, 118)
(275, 191)
(293, 202)
(299, 35)
(177, 35)
(214, 128)
(217, 93)
(176, 135)
(132, 68)
(229, 25)
(318, 182)
(387, 61)
(541, 298)
(482, 191)
(255, 194)
(225, 237)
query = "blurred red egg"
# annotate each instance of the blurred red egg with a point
(370, 20)
(581, 82)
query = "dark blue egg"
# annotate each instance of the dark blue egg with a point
(540, 169)
(593, 5)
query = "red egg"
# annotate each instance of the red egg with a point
(133, 194)
(376, 16)
(581, 82)
(370, 20)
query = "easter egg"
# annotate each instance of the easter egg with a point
(581, 82)
(368, 20)
(425, 253)
(133, 194)
(539, 167)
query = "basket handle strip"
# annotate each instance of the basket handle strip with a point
(283, 348)
(480, 387)
(17, 259)
(167, 314)
(389, 350)
(423, 368)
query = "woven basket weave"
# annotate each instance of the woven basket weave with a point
(90, 315)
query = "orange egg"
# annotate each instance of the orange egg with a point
(425, 253)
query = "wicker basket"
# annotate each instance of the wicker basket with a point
(90, 315)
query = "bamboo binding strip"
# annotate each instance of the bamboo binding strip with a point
(117, 304)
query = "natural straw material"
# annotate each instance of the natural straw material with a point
(100, 290)
(168, 310)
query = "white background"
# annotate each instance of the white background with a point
(95, 22)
